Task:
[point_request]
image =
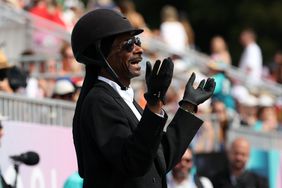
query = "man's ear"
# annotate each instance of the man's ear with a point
(106, 44)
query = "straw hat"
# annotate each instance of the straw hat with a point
(3, 61)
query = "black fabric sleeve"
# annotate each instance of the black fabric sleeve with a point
(131, 153)
(178, 136)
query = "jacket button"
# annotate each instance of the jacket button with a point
(154, 180)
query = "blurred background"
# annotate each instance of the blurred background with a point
(236, 42)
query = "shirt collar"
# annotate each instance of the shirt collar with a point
(127, 95)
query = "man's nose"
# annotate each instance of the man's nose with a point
(138, 49)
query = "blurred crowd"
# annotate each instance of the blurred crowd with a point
(233, 104)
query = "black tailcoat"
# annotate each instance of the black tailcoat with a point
(118, 151)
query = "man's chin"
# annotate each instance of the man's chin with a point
(135, 74)
(239, 166)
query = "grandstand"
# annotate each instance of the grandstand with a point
(44, 124)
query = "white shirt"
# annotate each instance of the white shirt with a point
(32, 88)
(127, 95)
(251, 62)
(174, 35)
(188, 182)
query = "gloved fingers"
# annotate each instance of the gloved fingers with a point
(166, 69)
(163, 67)
(148, 70)
(156, 67)
(170, 67)
(201, 85)
(213, 84)
(210, 85)
(191, 80)
(165, 75)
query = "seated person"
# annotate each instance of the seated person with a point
(236, 176)
(181, 175)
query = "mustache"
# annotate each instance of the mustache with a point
(135, 58)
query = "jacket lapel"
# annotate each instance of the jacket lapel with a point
(138, 107)
(133, 121)
(127, 110)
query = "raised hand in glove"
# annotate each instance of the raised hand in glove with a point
(200, 94)
(158, 80)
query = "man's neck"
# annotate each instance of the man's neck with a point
(237, 173)
(179, 179)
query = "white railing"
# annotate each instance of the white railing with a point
(259, 140)
(44, 111)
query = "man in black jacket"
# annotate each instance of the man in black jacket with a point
(117, 143)
(237, 176)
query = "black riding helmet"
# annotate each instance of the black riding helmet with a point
(95, 26)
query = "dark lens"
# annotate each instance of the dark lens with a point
(129, 45)
(137, 41)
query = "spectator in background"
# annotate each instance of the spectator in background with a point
(64, 90)
(219, 50)
(181, 175)
(127, 7)
(248, 110)
(69, 64)
(276, 67)
(222, 91)
(104, 4)
(49, 10)
(205, 140)
(188, 28)
(73, 10)
(172, 31)
(16, 4)
(4, 68)
(17, 79)
(77, 82)
(251, 58)
(237, 176)
(33, 88)
(267, 119)
(226, 119)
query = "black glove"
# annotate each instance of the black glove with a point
(199, 95)
(158, 80)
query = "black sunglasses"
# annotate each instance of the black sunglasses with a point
(129, 44)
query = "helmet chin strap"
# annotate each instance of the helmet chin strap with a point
(108, 67)
(89, 61)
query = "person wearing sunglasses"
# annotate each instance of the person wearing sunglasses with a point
(117, 143)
